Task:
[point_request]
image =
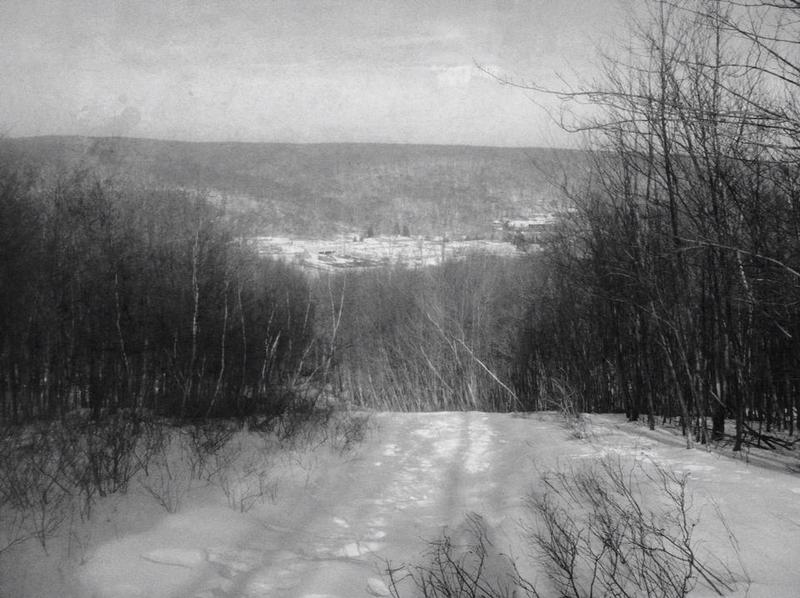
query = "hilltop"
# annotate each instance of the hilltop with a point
(324, 189)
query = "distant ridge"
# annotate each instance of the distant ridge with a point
(125, 139)
(323, 189)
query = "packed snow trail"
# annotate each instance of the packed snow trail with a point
(410, 485)
(415, 480)
(416, 475)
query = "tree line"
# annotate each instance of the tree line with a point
(114, 297)
(673, 290)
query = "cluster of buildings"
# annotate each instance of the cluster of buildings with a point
(532, 230)
(349, 252)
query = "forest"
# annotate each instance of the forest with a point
(319, 190)
(674, 291)
(670, 291)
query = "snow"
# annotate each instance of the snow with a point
(180, 557)
(337, 519)
(377, 587)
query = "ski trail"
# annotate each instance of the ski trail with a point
(403, 489)
(414, 477)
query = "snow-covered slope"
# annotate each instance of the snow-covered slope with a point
(338, 519)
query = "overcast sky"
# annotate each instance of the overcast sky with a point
(290, 70)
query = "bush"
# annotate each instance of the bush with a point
(246, 480)
(469, 568)
(169, 476)
(600, 532)
(597, 531)
(36, 483)
(206, 446)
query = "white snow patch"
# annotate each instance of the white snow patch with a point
(178, 557)
(237, 561)
(357, 549)
(125, 590)
(481, 437)
(446, 449)
(260, 587)
(215, 587)
(377, 522)
(425, 432)
(697, 467)
(341, 522)
(376, 587)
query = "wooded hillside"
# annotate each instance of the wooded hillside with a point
(321, 190)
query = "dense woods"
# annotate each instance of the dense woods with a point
(442, 337)
(673, 291)
(138, 300)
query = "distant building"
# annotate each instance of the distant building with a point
(530, 230)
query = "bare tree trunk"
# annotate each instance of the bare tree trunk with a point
(189, 380)
(221, 375)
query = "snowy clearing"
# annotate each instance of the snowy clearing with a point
(334, 519)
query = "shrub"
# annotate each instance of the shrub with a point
(601, 532)
(169, 475)
(467, 568)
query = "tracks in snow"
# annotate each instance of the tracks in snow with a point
(400, 490)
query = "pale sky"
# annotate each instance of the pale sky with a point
(398, 71)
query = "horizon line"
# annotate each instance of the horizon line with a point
(290, 143)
